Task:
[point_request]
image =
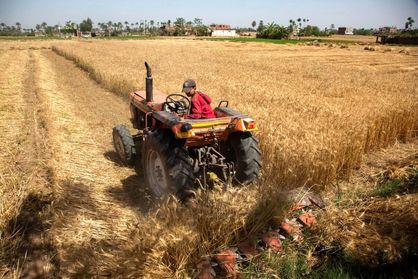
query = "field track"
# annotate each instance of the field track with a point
(97, 198)
(96, 191)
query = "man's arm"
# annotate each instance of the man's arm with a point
(197, 109)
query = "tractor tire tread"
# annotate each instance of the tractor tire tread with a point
(128, 144)
(177, 161)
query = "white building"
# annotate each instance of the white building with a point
(345, 31)
(223, 30)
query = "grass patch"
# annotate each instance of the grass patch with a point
(397, 185)
(274, 41)
(294, 262)
(130, 37)
(340, 269)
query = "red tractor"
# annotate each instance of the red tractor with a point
(176, 154)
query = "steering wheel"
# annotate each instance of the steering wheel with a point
(177, 103)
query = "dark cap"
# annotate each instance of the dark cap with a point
(188, 85)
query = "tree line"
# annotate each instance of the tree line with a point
(301, 27)
(178, 27)
(181, 27)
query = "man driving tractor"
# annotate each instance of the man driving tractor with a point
(200, 102)
(175, 154)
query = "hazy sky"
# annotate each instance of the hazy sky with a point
(238, 13)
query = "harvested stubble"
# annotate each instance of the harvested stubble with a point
(25, 177)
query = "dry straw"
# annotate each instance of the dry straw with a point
(378, 231)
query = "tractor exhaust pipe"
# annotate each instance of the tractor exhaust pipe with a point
(148, 84)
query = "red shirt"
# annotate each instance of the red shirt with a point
(200, 106)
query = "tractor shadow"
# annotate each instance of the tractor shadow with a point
(112, 156)
(28, 241)
(133, 193)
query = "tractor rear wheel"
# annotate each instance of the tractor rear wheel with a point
(124, 144)
(167, 165)
(242, 149)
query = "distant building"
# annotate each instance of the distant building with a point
(222, 30)
(388, 29)
(295, 30)
(39, 34)
(85, 34)
(345, 31)
(169, 28)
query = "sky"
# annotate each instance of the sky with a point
(237, 13)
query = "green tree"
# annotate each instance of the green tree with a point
(198, 21)
(254, 24)
(273, 31)
(260, 26)
(44, 25)
(180, 26)
(180, 22)
(310, 31)
(409, 22)
(49, 30)
(86, 25)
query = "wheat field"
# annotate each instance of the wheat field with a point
(319, 109)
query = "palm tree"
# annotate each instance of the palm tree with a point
(299, 20)
(126, 25)
(2, 25)
(18, 26)
(409, 23)
(254, 24)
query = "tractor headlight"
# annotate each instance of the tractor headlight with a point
(186, 127)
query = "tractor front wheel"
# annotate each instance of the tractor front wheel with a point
(124, 144)
(167, 166)
(242, 149)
